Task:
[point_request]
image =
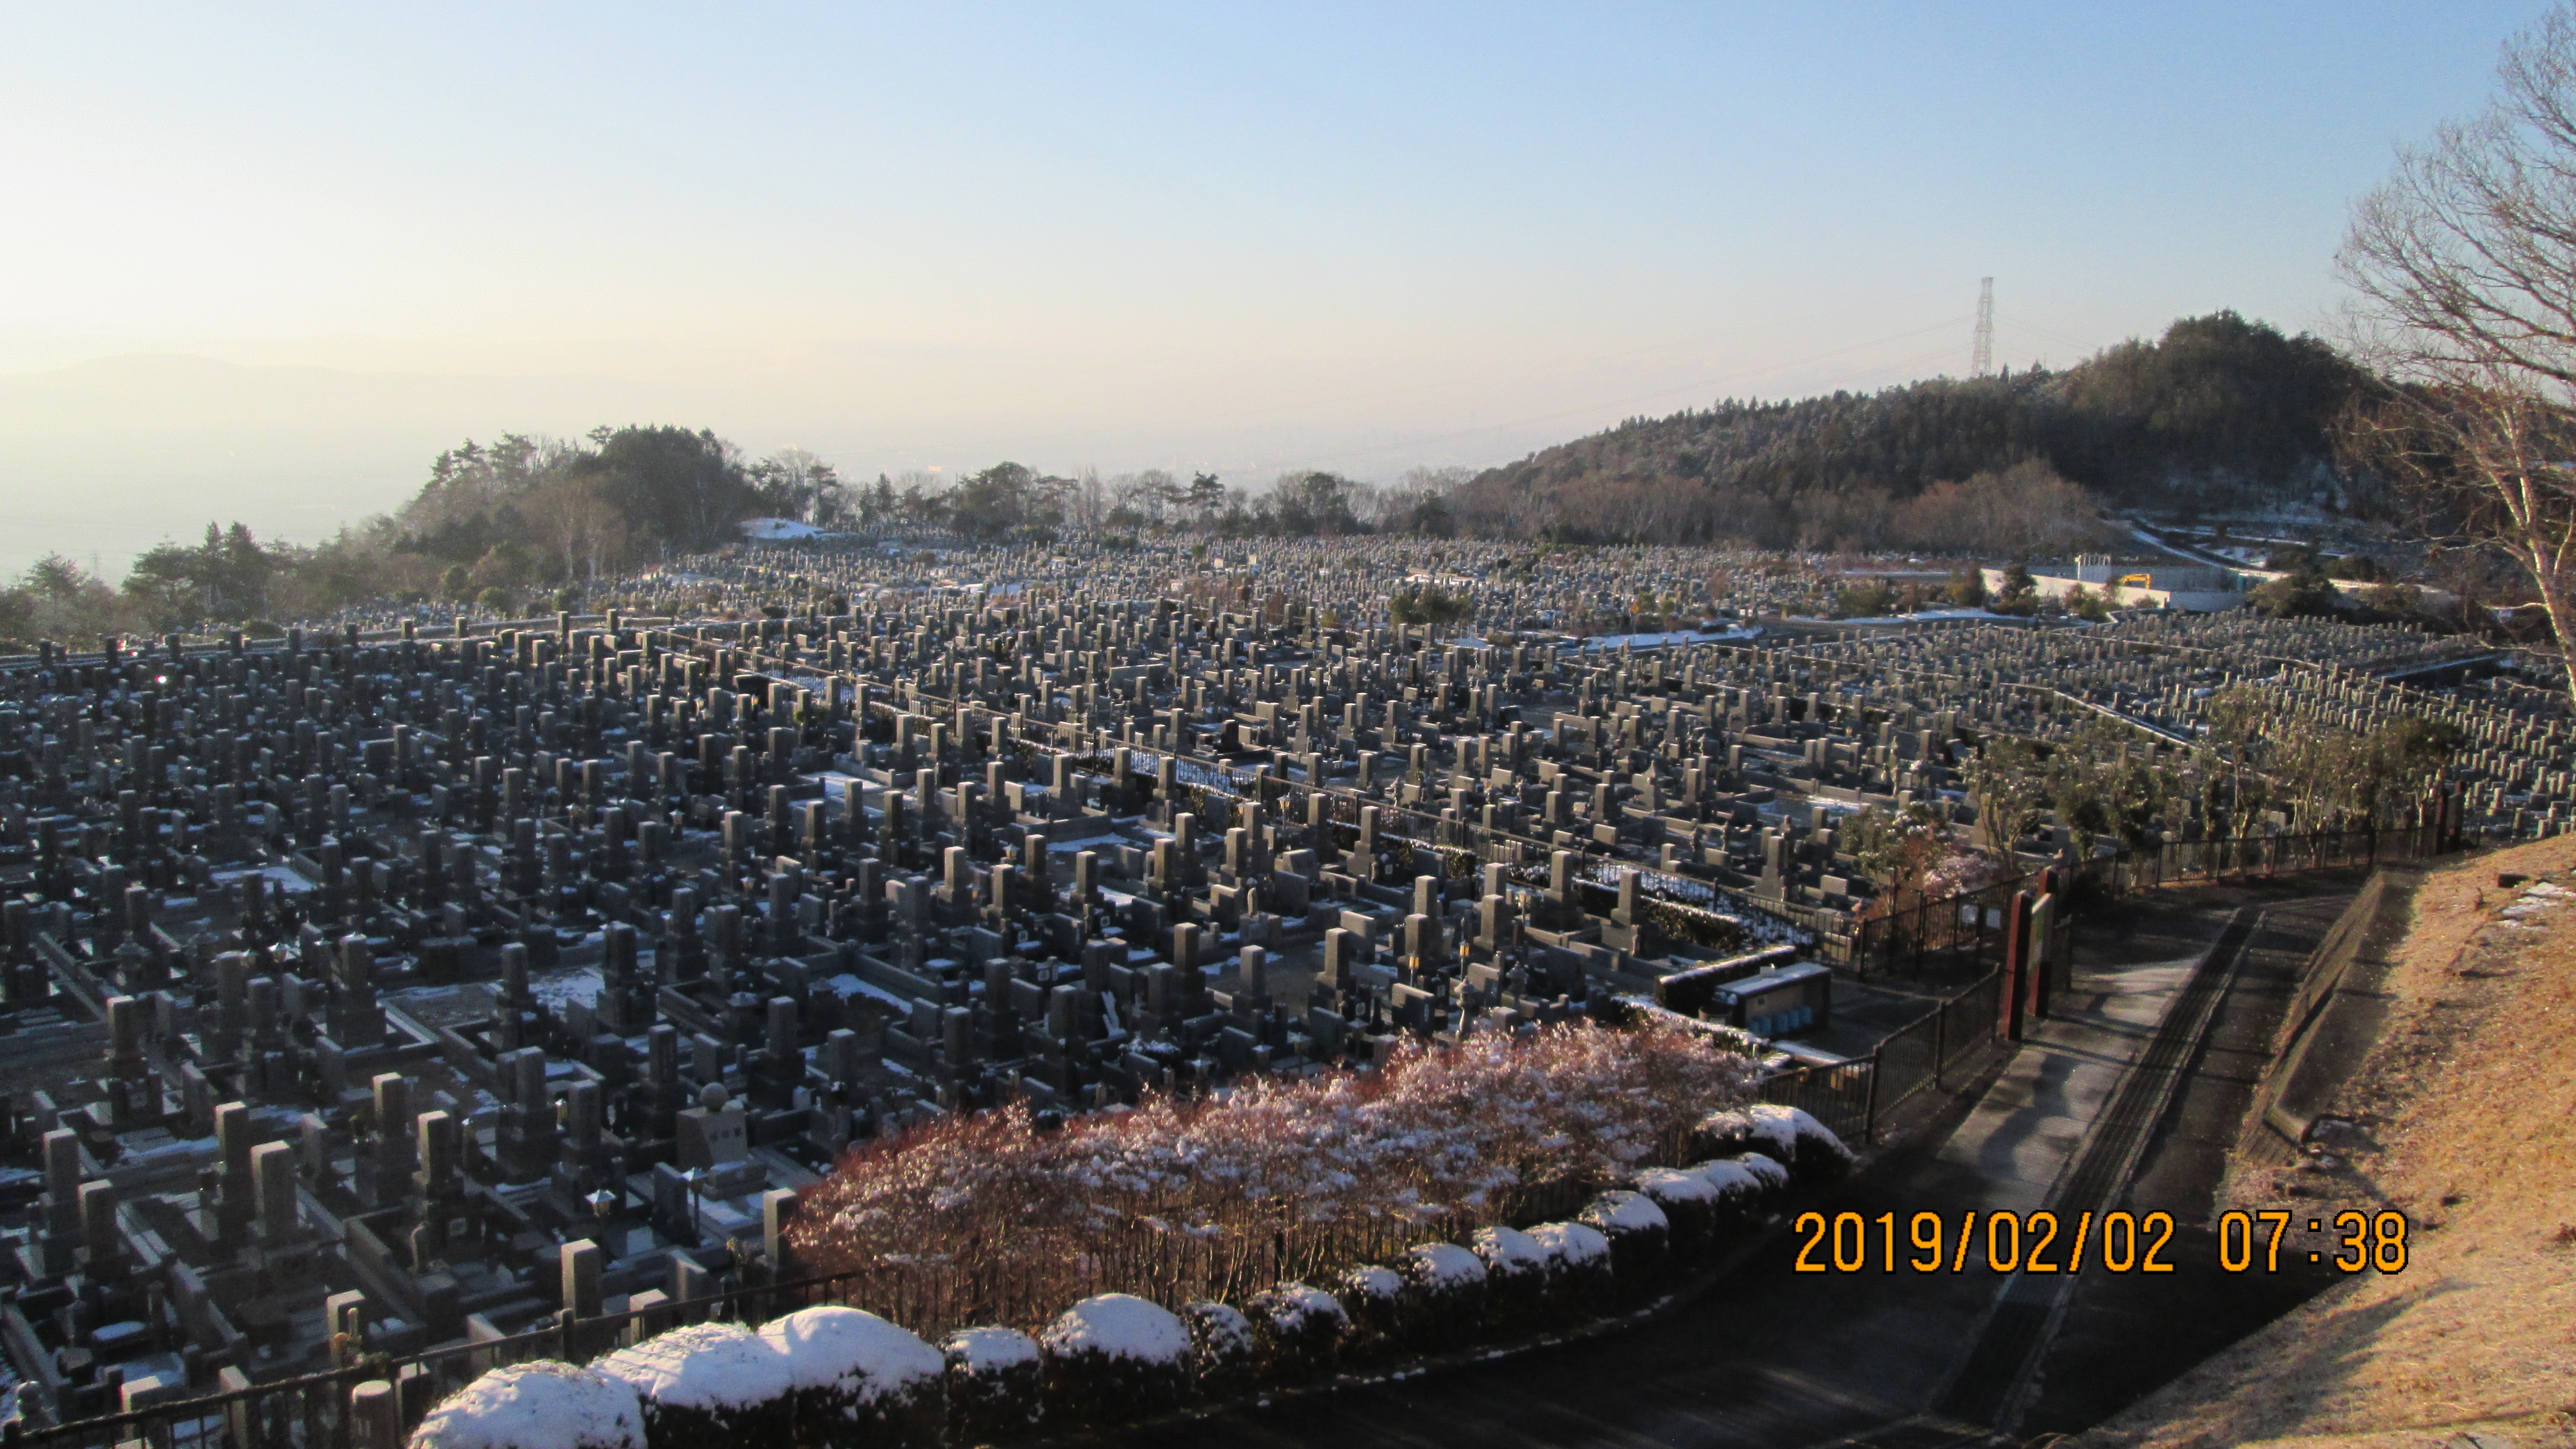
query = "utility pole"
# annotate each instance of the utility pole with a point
(1981, 358)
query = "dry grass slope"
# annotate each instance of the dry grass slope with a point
(2467, 1122)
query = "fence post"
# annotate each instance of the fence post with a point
(1869, 1103)
(375, 1416)
(2008, 1015)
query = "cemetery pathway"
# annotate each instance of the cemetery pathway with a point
(1774, 1357)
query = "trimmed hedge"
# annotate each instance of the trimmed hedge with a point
(1690, 1204)
(1640, 1238)
(996, 1384)
(1580, 1280)
(539, 1405)
(859, 1380)
(1515, 1277)
(1299, 1327)
(1446, 1294)
(1807, 1147)
(1372, 1298)
(707, 1386)
(1112, 1359)
(1225, 1356)
(838, 1378)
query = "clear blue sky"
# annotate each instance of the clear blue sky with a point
(1362, 237)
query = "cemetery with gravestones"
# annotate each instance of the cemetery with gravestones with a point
(392, 987)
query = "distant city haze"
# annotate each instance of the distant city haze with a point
(264, 263)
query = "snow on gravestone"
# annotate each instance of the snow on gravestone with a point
(1299, 1326)
(706, 1386)
(1515, 1276)
(1113, 1359)
(855, 1376)
(1578, 1268)
(540, 1405)
(995, 1387)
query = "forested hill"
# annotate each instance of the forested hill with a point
(2218, 407)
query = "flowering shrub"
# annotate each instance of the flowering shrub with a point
(1275, 1179)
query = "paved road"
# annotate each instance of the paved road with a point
(1773, 1357)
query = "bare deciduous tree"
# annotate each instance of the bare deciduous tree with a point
(2463, 265)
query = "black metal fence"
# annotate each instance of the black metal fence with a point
(1943, 1051)
(1962, 933)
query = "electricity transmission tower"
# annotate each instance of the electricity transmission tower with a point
(1981, 358)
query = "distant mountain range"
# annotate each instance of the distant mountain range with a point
(2220, 409)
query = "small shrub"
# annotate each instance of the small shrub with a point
(1113, 1359)
(1225, 1358)
(1804, 1145)
(1690, 1204)
(1515, 1277)
(858, 1379)
(1640, 1241)
(1373, 1299)
(996, 1386)
(1446, 1294)
(1580, 1283)
(707, 1386)
(540, 1405)
(1299, 1326)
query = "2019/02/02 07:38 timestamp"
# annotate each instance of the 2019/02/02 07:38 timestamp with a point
(2048, 1242)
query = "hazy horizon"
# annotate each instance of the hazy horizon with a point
(272, 262)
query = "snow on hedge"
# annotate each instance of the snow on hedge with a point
(1570, 1245)
(540, 1405)
(977, 1352)
(858, 1378)
(1767, 1174)
(1442, 1265)
(705, 1366)
(993, 1384)
(1786, 1133)
(1618, 1212)
(1670, 1185)
(1118, 1325)
(1112, 1359)
(1299, 1327)
(1223, 1350)
(1509, 1250)
(1438, 1131)
(832, 1347)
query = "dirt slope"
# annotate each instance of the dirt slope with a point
(2465, 1119)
